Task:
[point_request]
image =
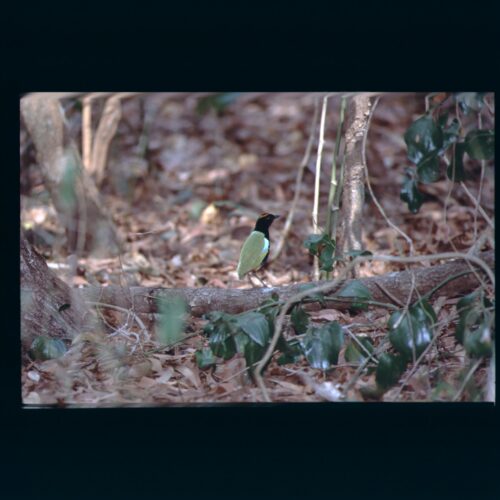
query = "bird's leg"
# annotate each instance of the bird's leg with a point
(256, 275)
(250, 280)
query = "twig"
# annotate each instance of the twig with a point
(479, 278)
(298, 184)
(467, 378)
(87, 132)
(105, 132)
(386, 292)
(122, 309)
(378, 205)
(321, 143)
(360, 344)
(478, 206)
(481, 178)
(333, 183)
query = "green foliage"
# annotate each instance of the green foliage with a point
(44, 348)
(354, 353)
(318, 296)
(411, 332)
(300, 319)
(220, 330)
(475, 326)
(428, 169)
(247, 333)
(480, 144)
(322, 345)
(170, 325)
(205, 358)
(389, 369)
(424, 139)
(356, 290)
(428, 139)
(410, 193)
(323, 247)
(458, 164)
(292, 352)
(256, 326)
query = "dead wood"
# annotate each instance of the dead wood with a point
(48, 305)
(143, 300)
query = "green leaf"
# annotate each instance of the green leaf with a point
(480, 144)
(356, 290)
(313, 243)
(442, 120)
(470, 101)
(422, 138)
(323, 247)
(300, 319)
(389, 369)
(478, 342)
(354, 353)
(474, 328)
(413, 332)
(253, 352)
(222, 343)
(43, 348)
(322, 345)
(220, 329)
(255, 325)
(292, 353)
(459, 164)
(428, 169)
(241, 340)
(170, 325)
(326, 259)
(205, 358)
(318, 296)
(410, 194)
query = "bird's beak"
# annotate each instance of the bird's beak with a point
(276, 216)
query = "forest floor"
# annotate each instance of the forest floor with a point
(184, 192)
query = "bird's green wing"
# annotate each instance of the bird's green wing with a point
(252, 253)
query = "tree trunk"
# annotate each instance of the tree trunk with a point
(75, 197)
(48, 305)
(353, 192)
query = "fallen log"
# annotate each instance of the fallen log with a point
(144, 300)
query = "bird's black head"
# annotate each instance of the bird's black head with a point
(264, 221)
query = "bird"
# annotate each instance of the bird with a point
(255, 249)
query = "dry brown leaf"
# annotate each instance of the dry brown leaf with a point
(146, 382)
(327, 315)
(166, 375)
(190, 373)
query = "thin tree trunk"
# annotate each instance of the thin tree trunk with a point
(75, 197)
(353, 193)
